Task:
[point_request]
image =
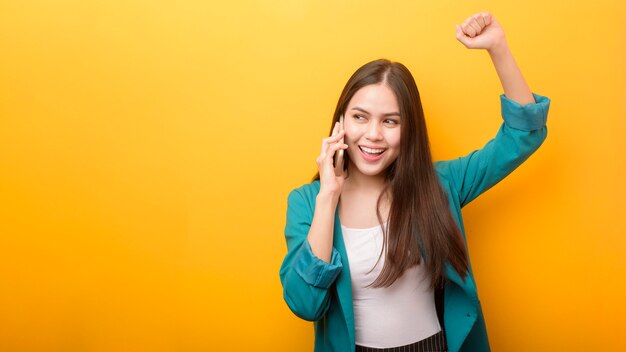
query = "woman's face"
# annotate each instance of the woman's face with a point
(372, 129)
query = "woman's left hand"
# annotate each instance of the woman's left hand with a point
(481, 31)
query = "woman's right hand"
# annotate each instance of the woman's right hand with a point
(329, 182)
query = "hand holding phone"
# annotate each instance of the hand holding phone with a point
(330, 161)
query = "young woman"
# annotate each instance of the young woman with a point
(377, 255)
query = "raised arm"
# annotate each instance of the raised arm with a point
(524, 113)
(482, 31)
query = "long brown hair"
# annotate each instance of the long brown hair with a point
(419, 215)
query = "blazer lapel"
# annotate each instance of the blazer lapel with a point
(344, 284)
(460, 308)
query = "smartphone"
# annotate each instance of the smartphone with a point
(338, 157)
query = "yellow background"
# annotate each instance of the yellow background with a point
(147, 149)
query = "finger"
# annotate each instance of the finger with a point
(460, 36)
(481, 20)
(333, 147)
(332, 150)
(487, 18)
(333, 139)
(474, 24)
(324, 157)
(468, 30)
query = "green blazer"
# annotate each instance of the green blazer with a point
(321, 292)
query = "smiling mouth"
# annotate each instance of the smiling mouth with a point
(371, 151)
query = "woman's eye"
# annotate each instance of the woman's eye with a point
(388, 121)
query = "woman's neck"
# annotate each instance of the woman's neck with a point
(364, 183)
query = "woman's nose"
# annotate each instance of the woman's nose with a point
(373, 131)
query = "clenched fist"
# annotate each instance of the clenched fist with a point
(481, 31)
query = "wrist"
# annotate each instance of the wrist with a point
(499, 49)
(327, 197)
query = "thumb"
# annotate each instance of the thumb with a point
(460, 36)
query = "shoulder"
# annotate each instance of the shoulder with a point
(442, 169)
(308, 189)
(306, 193)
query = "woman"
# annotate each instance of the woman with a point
(377, 256)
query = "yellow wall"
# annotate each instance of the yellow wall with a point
(147, 149)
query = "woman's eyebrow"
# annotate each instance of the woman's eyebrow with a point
(385, 115)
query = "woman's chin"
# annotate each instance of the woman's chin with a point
(370, 170)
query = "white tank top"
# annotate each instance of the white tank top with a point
(398, 315)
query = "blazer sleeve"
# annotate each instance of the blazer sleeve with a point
(306, 279)
(521, 133)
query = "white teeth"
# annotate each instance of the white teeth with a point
(372, 151)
